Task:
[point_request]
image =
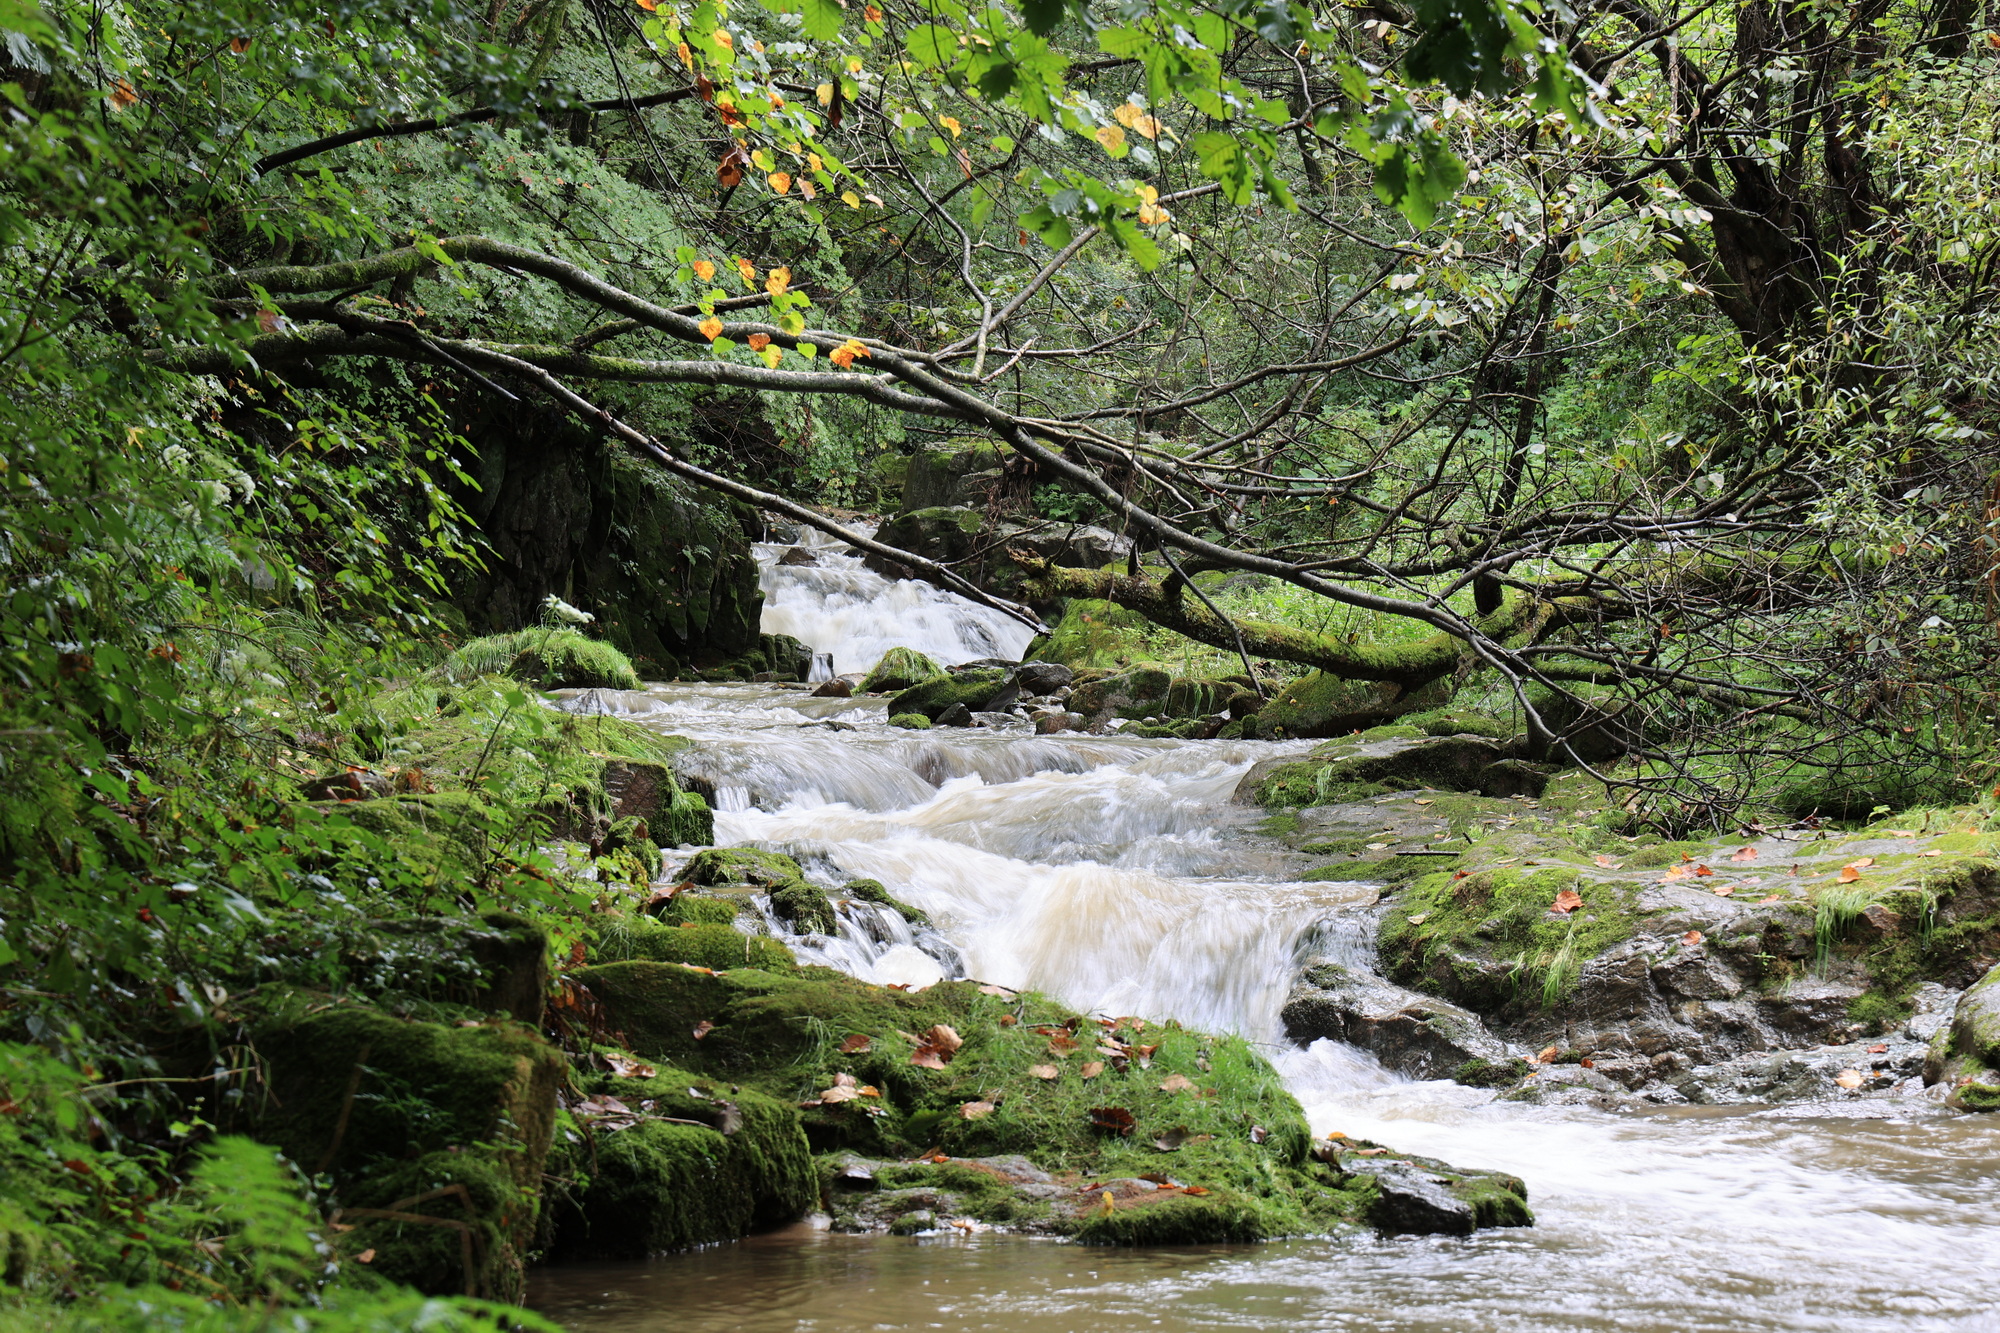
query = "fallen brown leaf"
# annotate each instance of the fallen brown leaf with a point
(1008, 1020)
(1848, 1078)
(857, 1044)
(1044, 1071)
(1723, 890)
(1093, 1069)
(1548, 1056)
(702, 1029)
(1848, 874)
(626, 1067)
(1674, 873)
(1703, 870)
(1879, 1048)
(1112, 1119)
(1566, 902)
(1609, 863)
(975, 1110)
(1692, 938)
(944, 1038)
(1744, 854)
(1176, 1083)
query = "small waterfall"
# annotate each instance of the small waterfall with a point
(846, 611)
(822, 669)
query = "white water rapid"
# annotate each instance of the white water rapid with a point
(1116, 874)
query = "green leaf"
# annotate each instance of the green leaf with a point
(931, 45)
(822, 19)
(1042, 16)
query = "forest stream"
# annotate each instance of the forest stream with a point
(1116, 874)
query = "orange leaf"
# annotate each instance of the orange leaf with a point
(759, 341)
(1692, 938)
(1863, 863)
(1566, 902)
(1703, 870)
(1609, 863)
(872, 14)
(778, 279)
(122, 95)
(781, 182)
(711, 328)
(238, 45)
(1744, 854)
(650, 6)
(704, 270)
(748, 270)
(1848, 874)
(1547, 1056)
(1674, 873)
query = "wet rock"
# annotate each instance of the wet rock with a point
(1042, 677)
(995, 721)
(899, 669)
(1411, 1202)
(1049, 723)
(1413, 1034)
(1965, 1053)
(834, 689)
(797, 556)
(955, 715)
(914, 1223)
(1346, 771)
(1846, 1071)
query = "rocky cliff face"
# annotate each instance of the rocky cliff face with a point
(667, 570)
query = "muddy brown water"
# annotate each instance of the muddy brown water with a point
(1117, 875)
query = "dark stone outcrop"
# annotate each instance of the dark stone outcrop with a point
(1418, 1035)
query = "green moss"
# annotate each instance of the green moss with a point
(1336, 846)
(547, 659)
(1446, 934)
(932, 697)
(717, 945)
(393, 1109)
(1978, 1096)
(657, 1187)
(1666, 854)
(805, 906)
(872, 891)
(1393, 733)
(1445, 722)
(911, 722)
(1319, 704)
(741, 865)
(700, 910)
(899, 669)
(1177, 1219)
(1490, 1073)
(1335, 774)
(1092, 634)
(1386, 870)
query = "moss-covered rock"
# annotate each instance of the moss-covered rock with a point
(704, 1162)
(932, 697)
(712, 944)
(1016, 1083)
(1965, 1054)
(420, 1120)
(1319, 704)
(1091, 633)
(872, 891)
(910, 722)
(1342, 771)
(954, 472)
(1143, 691)
(793, 899)
(899, 669)
(548, 659)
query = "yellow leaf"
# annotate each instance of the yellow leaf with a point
(704, 270)
(1149, 195)
(687, 56)
(850, 198)
(952, 125)
(781, 181)
(748, 271)
(824, 93)
(778, 279)
(843, 355)
(813, 161)
(650, 6)
(1110, 136)
(1126, 114)
(1106, 1206)
(1152, 215)
(724, 40)
(711, 328)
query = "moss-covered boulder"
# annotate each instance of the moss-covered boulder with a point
(712, 944)
(872, 891)
(436, 1136)
(1144, 691)
(1320, 704)
(1091, 633)
(689, 1162)
(1355, 770)
(899, 669)
(971, 689)
(793, 898)
(972, 1073)
(910, 722)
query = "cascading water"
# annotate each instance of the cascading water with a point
(839, 606)
(1114, 873)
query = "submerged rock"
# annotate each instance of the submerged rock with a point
(1965, 1054)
